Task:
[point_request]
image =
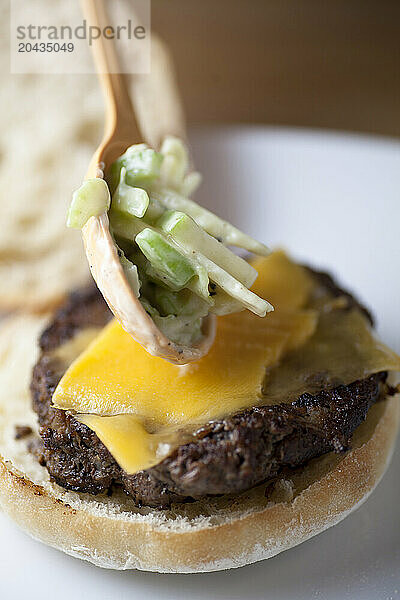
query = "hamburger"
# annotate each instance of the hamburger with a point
(127, 461)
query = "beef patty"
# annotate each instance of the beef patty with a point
(226, 456)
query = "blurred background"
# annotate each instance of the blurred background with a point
(314, 63)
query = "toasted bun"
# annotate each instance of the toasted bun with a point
(208, 535)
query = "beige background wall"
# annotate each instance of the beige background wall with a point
(313, 63)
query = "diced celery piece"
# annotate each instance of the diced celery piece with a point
(154, 212)
(190, 183)
(183, 329)
(125, 226)
(90, 200)
(223, 303)
(128, 199)
(142, 166)
(160, 279)
(187, 233)
(172, 172)
(167, 261)
(175, 165)
(184, 302)
(175, 162)
(169, 303)
(175, 147)
(234, 288)
(131, 274)
(220, 229)
(199, 285)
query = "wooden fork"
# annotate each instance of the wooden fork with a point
(159, 113)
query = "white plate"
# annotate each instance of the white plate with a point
(334, 201)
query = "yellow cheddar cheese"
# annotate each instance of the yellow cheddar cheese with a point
(142, 407)
(131, 444)
(342, 350)
(286, 284)
(116, 375)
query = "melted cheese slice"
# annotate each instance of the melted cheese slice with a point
(116, 375)
(286, 284)
(342, 350)
(141, 406)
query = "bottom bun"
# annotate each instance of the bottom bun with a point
(207, 535)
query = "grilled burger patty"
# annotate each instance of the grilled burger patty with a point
(227, 456)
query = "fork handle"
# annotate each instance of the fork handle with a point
(118, 104)
(155, 95)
